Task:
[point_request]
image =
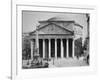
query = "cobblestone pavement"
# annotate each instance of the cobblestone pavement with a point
(70, 62)
(65, 62)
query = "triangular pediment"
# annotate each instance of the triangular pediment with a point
(53, 29)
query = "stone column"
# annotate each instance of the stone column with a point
(62, 49)
(31, 50)
(49, 48)
(73, 54)
(43, 48)
(67, 48)
(38, 48)
(55, 48)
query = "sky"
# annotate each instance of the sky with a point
(30, 19)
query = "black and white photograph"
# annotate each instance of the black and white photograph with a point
(55, 39)
(50, 40)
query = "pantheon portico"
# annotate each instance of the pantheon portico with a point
(55, 38)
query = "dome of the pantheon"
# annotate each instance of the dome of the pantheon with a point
(58, 18)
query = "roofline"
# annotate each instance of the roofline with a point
(78, 25)
(58, 21)
(49, 24)
(63, 28)
(64, 21)
(39, 28)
